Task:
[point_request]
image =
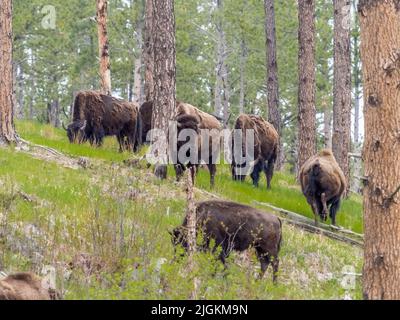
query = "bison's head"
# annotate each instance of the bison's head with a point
(178, 237)
(76, 131)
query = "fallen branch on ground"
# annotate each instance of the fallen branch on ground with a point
(357, 237)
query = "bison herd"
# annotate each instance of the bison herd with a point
(232, 226)
(228, 226)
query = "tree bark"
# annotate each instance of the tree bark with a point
(104, 55)
(7, 131)
(342, 87)
(148, 52)
(380, 56)
(222, 84)
(327, 125)
(306, 102)
(274, 115)
(243, 58)
(164, 107)
(137, 84)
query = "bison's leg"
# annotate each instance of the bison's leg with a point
(275, 268)
(213, 169)
(269, 171)
(333, 210)
(264, 261)
(179, 170)
(324, 213)
(120, 140)
(315, 210)
(255, 175)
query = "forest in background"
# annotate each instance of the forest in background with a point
(220, 57)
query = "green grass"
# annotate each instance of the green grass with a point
(284, 193)
(55, 138)
(120, 216)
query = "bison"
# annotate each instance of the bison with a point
(235, 227)
(189, 117)
(266, 141)
(96, 115)
(24, 286)
(323, 184)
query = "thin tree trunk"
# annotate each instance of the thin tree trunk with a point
(274, 115)
(138, 64)
(148, 52)
(381, 76)
(342, 88)
(306, 114)
(104, 56)
(242, 70)
(222, 84)
(7, 131)
(357, 86)
(164, 107)
(327, 126)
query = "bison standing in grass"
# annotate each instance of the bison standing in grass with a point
(323, 183)
(191, 118)
(96, 115)
(266, 141)
(24, 286)
(236, 227)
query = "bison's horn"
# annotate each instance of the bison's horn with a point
(63, 125)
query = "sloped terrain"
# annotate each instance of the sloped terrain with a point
(102, 226)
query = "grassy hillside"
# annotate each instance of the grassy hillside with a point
(105, 230)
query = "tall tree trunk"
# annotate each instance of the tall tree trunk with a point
(222, 83)
(164, 107)
(138, 63)
(342, 87)
(380, 56)
(357, 86)
(148, 52)
(274, 115)
(7, 132)
(104, 55)
(327, 125)
(306, 112)
(242, 70)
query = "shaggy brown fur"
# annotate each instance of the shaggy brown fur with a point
(323, 183)
(146, 112)
(236, 227)
(265, 147)
(23, 286)
(99, 115)
(189, 117)
(206, 120)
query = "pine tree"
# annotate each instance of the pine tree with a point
(381, 77)
(306, 100)
(342, 86)
(274, 115)
(104, 55)
(164, 71)
(7, 133)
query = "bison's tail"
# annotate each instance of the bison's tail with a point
(313, 179)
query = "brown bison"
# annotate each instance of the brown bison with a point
(189, 117)
(323, 183)
(23, 286)
(236, 227)
(96, 115)
(265, 148)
